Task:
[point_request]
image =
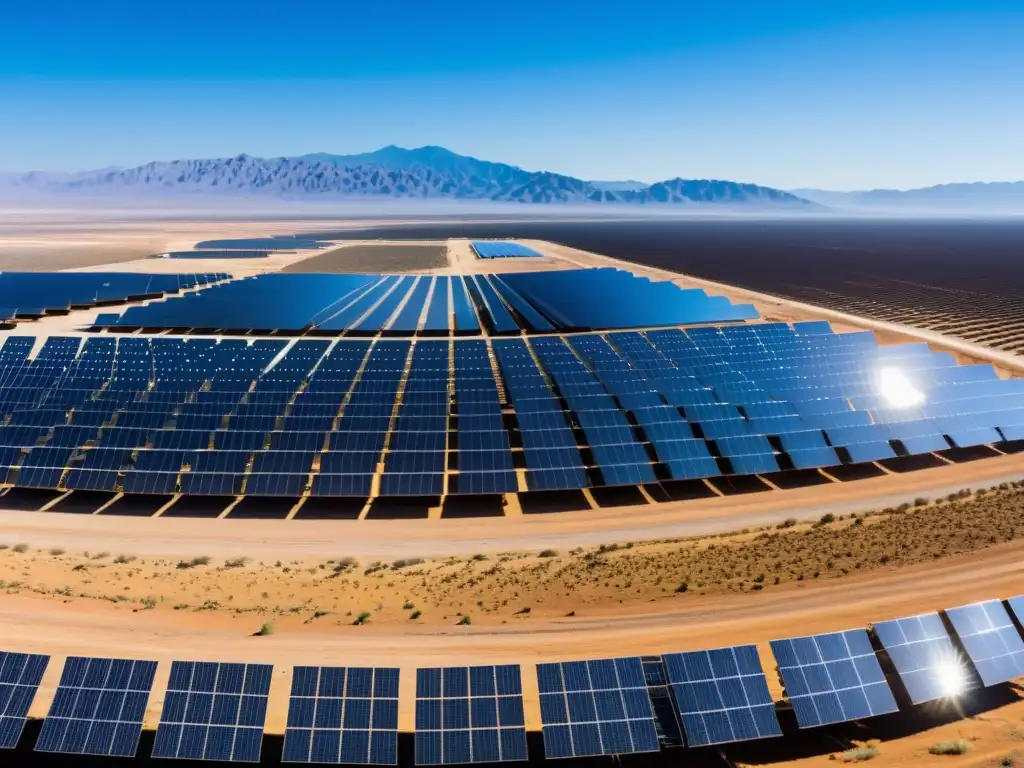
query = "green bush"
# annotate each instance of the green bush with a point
(266, 629)
(362, 618)
(548, 553)
(465, 621)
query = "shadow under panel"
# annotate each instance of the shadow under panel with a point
(82, 502)
(198, 506)
(137, 504)
(263, 507)
(28, 499)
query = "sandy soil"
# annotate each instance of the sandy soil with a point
(425, 257)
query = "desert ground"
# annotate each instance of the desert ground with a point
(646, 577)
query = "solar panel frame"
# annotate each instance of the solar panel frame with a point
(832, 678)
(98, 708)
(200, 693)
(722, 695)
(921, 650)
(20, 676)
(343, 715)
(571, 710)
(991, 640)
(470, 715)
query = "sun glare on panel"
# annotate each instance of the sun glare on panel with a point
(897, 389)
(951, 677)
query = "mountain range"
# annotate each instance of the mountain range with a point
(1007, 196)
(394, 172)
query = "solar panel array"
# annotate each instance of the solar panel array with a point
(98, 708)
(26, 295)
(722, 695)
(924, 656)
(358, 418)
(368, 304)
(215, 254)
(990, 639)
(20, 675)
(214, 711)
(595, 708)
(343, 715)
(493, 249)
(274, 243)
(469, 715)
(833, 678)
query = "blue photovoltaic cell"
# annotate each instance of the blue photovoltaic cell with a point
(98, 708)
(595, 708)
(990, 639)
(492, 249)
(214, 711)
(469, 715)
(20, 675)
(343, 715)
(832, 678)
(722, 695)
(924, 656)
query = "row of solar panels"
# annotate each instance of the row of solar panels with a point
(370, 304)
(216, 254)
(216, 711)
(272, 243)
(641, 411)
(495, 249)
(28, 295)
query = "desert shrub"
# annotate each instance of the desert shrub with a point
(789, 522)
(548, 553)
(194, 562)
(859, 754)
(415, 615)
(236, 562)
(465, 621)
(266, 629)
(19, 548)
(406, 563)
(362, 618)
(951, 747)
(123, 559)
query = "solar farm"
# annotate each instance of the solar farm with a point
(354, 517)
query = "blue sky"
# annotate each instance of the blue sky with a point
(831, 93)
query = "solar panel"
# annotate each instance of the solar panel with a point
(469, 715)
(990, 639)
(722, 695)
(924, 656)
(832, 678)
(343, 715)
(214, 711)
(98, 708)
(20, 675)
(595, 708)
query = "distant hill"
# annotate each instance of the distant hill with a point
(983, 196)
(393, 172)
